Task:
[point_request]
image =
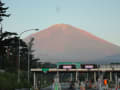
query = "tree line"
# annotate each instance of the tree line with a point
(9, 55)
(9, 47)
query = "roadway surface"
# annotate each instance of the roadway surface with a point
(64, 86)
(66, 89)
(77, 89)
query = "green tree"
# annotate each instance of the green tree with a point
(3, 11)
(5, 41)
(8, 81)
(9, 44)
(33, 60)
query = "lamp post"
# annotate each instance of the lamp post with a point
(20, 51)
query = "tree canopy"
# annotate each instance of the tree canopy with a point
(3, 11)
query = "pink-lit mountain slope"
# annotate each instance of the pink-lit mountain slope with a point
(62, 42)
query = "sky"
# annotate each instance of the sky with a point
(99, 17)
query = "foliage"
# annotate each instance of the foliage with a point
(8, 81)
(9, 54)
(48, 65)
(3, 11)
(33, 61)
(9, 45)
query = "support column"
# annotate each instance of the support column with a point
(76, 76)
(116, 79)
(87, 76)
(34, 80)
(94, 77)
(110, 76)
(71, 77)
(58, 76)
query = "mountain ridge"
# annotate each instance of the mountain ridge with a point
(81, 30)
(63, 40)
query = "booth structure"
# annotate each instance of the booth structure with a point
(77, 68)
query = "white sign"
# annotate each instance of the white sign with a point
(88, 66)
(67, 67)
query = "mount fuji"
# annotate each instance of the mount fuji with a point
(66, 43)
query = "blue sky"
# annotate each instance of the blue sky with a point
(99, 17)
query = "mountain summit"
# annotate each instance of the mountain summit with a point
(63, 42)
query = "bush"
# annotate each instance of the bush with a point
(8, 81)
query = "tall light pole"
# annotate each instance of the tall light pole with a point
(20, 51)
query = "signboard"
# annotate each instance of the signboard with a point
(88, 66)
(77, 64)
(45, 69)
(67, 66)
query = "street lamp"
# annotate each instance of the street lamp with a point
(19, 51)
